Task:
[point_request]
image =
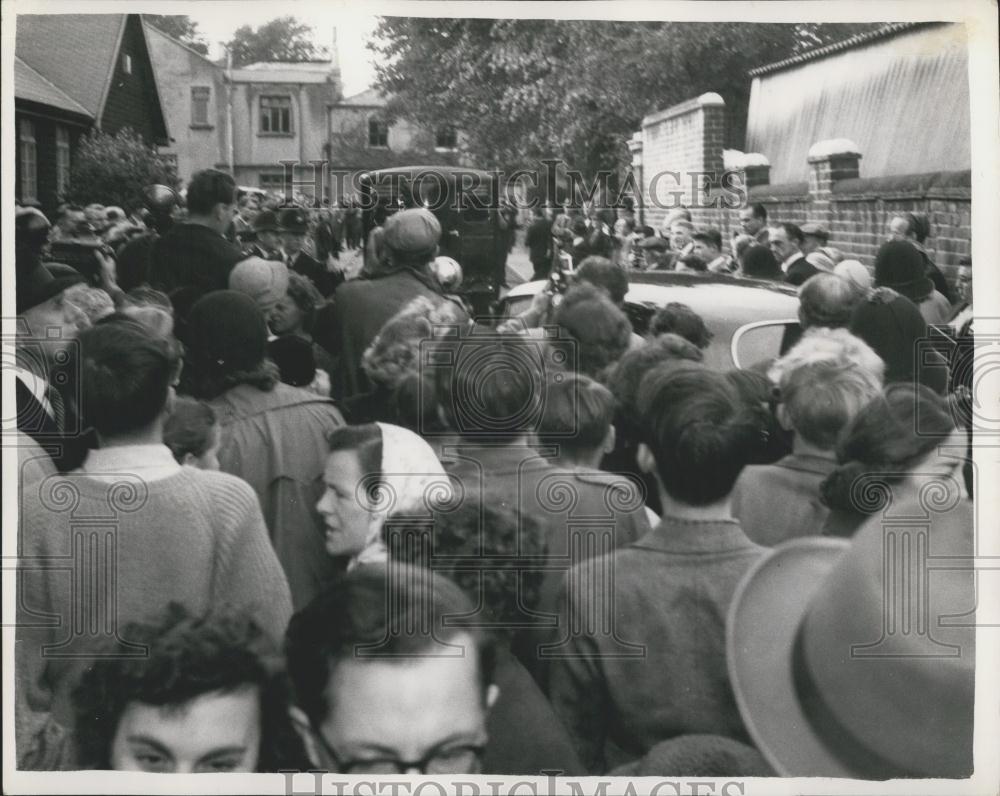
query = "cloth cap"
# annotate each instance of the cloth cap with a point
(819, 260)
(36, 284)
(900, 265)
(265, 281)
(293, 219)
(227, 328)
(816, 230)
(414, 231)
(855, 273)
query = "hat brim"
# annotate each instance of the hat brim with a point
(763, 621)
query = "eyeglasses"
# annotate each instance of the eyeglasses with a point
(457, 759)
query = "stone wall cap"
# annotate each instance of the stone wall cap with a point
(832, 147)
(753, 159)
(710, 98)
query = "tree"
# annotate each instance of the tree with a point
(282, 39)
(523, 90)
(113, 169)
(180, 27)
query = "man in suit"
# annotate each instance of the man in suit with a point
(786, 242)
(294, 224)
(539, 241)
(47, 325)
(267, 237)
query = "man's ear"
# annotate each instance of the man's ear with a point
(492, 694)
(645, 459)
(781, 412)
(303, 727)
(609, 439)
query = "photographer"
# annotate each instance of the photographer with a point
(134, 257)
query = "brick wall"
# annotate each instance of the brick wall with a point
(689, 137)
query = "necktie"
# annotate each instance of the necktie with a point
(58, 407)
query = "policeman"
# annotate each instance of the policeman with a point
(294, 224)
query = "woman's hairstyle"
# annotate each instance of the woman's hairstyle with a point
(637, 362)
(488, 530)
(365, 442)
(188, 428)
(827, 299)
(307, 298)
(394, 354)
(680, 319)
(698, 429)
(188, 656)
(601, 330)
(759, 263)
(889, 436)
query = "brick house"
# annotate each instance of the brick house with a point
(74, 73)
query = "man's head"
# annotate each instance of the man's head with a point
(707, 244)
(753, 219)
(267, 230)
(963, 281)
(208, 697)
(577, 420)
(411, 237)
(383, 682)
(680, 319)
(909, 226)
(126, 373)
(680, 234)
(785, 241)
(827, 300)
(824, 381)
(694, 431)
(814, 236)
(601, 331)
(211, 199)
(294, 225)
(265, 281)
(604, 275)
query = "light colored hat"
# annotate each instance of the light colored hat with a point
(265, 281)
(412, 231)
(855, 273)
(847, 659)
(820, 261)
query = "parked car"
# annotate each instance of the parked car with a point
(751, 320)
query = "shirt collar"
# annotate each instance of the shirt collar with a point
(789, 260)
(675, 535)
(152, 462)
(37, 386)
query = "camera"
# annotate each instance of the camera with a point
(81, 255)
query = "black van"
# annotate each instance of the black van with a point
(465, 201)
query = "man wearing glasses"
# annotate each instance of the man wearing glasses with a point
(386, 680)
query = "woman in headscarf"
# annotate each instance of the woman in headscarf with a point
(374, 472)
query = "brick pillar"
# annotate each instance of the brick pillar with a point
(635, 149)
(756, 170)
(829, 161)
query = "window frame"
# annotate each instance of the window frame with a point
(451, 135)
(126, 63)
(376, 124)
(27, 141)
(201, 96)
(266, 112)
(64, 159)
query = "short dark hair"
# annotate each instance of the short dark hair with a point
(189, 428)
(359, 617)
(793, 231)
(759, 211)
(490, 388)
(759, 263)
(125, 374)
(599, 327)
(209, 188)
(188, 656)
(603, 273)
(709, 235)
(698, 429)
(365, 441)
(680, 319)
(487, 528)
(577, 415)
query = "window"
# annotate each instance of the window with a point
(199, 105)
(272, 182)
(763, 341)
(28, 153)
(126, 63)
(62, 160)
(276, 115)
(446, 138)
(378, 133)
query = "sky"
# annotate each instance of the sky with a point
(218, 21)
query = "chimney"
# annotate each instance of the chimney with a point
(334, 53)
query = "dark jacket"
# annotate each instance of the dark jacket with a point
(655, 668)
(63, 438)
(192, 255)
(799, 270)
(325, 281)
(538, 239)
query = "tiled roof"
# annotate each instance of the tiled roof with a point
(854, 41)
(31, 86)
(75, 52)
(367, 98)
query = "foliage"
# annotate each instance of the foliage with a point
(524, 90)
(180, 27)
(349, 144)
(113, 169)
(281, 39)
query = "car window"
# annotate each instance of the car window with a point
(763, 341)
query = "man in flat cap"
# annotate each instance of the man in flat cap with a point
(294, 223)
(361, 306)
(266, 237)
(814, 236)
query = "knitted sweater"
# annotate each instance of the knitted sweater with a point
(100, 552)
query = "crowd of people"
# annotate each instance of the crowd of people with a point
(306, 521)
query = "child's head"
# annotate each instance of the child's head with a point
(577, 419)
(192, 434)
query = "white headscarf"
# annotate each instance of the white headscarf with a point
(411, 482)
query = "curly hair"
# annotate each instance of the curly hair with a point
(188, 656)
(307, 298)
(506, 578)
(394, 354)
(601, 330)
(680, 319)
